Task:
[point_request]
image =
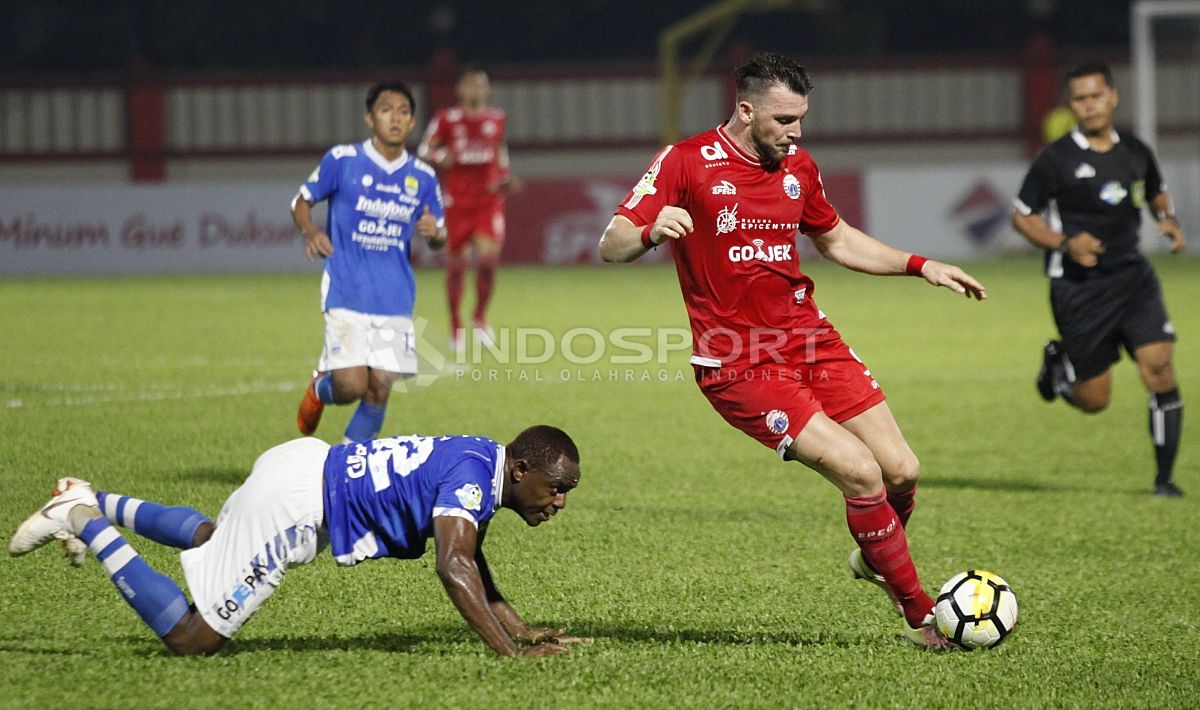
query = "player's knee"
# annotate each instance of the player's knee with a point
(203, 532)
(861, 476)
(349, 389)
(192, 637)
(903, 473)
(1093, 405)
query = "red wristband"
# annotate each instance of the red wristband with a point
(646, 240)
(914, 265)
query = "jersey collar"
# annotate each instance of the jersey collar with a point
(377, 158)
(733, 147)
(498, 478)
(1082, 141)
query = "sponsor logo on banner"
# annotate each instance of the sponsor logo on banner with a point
(981, 212)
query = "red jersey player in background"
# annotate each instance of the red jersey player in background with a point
(466, 143)
(730, 202)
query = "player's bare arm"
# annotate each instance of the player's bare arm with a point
(316, 242)
(852, 248)
(456, 541)
(429, 229)
(512, 622)
(1168, 225)
(1083, 248)
(622, 240)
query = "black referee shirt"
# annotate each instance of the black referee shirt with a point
(1100, 193)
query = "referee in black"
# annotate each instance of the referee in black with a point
(1081, 201)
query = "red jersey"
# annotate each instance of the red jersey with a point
(473, 179)
(738, 270)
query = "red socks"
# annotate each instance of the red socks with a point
(485, 278)
(455, 273)
(879, 533)
(903, 504)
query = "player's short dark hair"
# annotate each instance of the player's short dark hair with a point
(542, 446)
(398, 86)
(472, 68)
(766, 69)
(1090, 69)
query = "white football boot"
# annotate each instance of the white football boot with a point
(862, 570)
(928, 636)
(51, 522)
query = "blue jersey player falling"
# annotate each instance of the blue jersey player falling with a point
(380, 196)
(366, 500)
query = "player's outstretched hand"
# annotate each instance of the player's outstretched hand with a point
(953, 278)
(672, 223)
(545, 649)
(1169, 228)
(317, 244)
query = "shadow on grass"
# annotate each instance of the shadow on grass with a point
(724, 637)
(210, 474)
(1003, 484)
(392, 642)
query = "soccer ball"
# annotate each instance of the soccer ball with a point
(976, 609)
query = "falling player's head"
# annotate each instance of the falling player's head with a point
(541, 467)
(391, 113)
(772, 96)
(473, 86)
(1092, 96)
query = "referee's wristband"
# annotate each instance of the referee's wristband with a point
(915, 263)
(647, 241)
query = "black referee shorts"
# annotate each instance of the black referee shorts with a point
(1097, 316)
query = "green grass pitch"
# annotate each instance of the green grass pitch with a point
(709, 573)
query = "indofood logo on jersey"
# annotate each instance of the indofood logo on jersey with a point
(1113, 192)
(384, 209)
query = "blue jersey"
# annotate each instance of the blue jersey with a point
(381, 496)
(374, 206)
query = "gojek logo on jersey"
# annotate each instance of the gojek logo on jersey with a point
(761, 251)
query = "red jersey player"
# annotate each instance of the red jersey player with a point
(467, 145)
(730, 202)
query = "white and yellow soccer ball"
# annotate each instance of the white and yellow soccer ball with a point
(976, 609)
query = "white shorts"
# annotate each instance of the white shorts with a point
(274, 521)
(354, 339)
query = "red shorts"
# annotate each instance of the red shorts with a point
(465, 223)
(772, 402)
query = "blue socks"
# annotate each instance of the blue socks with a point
(155, 597)
(166, 525)
(366, 422)
(324, 389)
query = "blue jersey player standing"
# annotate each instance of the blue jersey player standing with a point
(379, 197)
(378, 498)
